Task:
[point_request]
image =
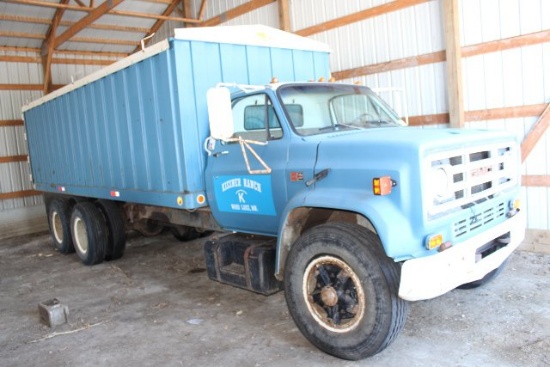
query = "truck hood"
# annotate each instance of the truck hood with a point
(407, 140)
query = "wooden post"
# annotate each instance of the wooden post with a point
(451, 27)
(284, 15)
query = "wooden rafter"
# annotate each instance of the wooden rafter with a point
(84, 22)
(66, 52)
(22, 35)
(169, 10)
(91, 9)
(64, 23)
(48, 46)
(202, 9)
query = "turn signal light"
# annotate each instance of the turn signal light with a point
(382, 185)
(434, 241)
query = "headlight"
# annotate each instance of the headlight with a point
(439, 182)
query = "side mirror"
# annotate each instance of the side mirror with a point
(220, 114)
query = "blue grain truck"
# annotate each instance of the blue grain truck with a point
(323, 190)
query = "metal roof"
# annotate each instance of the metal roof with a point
(98, 25)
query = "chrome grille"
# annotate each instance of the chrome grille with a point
(473, 174)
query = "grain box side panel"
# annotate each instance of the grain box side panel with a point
(117, 137)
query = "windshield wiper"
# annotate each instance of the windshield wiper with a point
(339, 126)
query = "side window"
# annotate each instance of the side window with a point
(255, 119)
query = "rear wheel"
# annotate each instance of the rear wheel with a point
(341, 290)
(116, 243)
(185, 233)
(59, 221)
(149, 227)
(89, 232)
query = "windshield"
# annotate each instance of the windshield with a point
(321, 108)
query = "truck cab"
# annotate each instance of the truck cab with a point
(337, 177)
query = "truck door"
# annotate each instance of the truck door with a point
(245, 181)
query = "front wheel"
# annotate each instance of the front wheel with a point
(486, 279)
(341, 290)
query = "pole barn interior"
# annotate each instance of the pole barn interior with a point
(478, 64)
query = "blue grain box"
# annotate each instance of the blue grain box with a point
(135, 130)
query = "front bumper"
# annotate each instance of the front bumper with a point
(432, 276)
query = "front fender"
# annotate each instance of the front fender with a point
(391, 225)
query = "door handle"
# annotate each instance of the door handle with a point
(217, 154)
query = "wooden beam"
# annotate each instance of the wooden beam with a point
(55, 60)
(47, 48)
(169, 10)
(453, 54)
(135, 14)
(18, 194)
(13, 158)
(22, 35)
(505, 112)
(84, 22)
(361, 15)
(91, 9)
(535, 181)
(439, 56)
(537, 131)
(481, 115)
(202, 9)
(284, 15)
(390, 65)
(507, 43)
(424, 120)
(27, 59)
(236, 12)
(65, 23)
(65, 52)
(4, 123)
(104, 41)
(49, 5)
(26, 86)
(73, 61)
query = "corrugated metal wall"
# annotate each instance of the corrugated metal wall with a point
(14, 176)
(26, 214)
(509, 78)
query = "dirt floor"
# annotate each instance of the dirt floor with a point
(157, 307)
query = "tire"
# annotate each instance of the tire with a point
(486, 279)
(185, 233)
(149, 227)
(59, 221)
(116, 238)
(342, 291)
(89, 232)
